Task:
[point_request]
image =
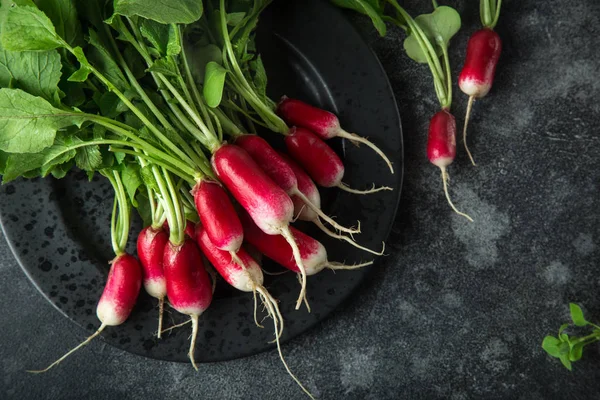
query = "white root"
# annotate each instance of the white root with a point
(273, 311)
(304, 297)
(445, 182)
(236, 259)
(287, 234)
(318, 222)
(193, 341)
(85, 342)
(177, 326)
(356, 138)
(467, 116)
(325, 217)
(339, 266)
(374, 189)
(161, 308)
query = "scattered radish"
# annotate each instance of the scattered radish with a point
(319, 160)
(118, 298)
(247, 279)
(441, 148)
(313, 253)
(218, 217)
(282, 174)
(325, 124)
(151, 244)
(189, 288)
(483, 51)
(307, 187)
(268, 205)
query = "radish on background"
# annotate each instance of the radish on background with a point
(441, 148)
(483, 51)
(282, 174)
(320, 161)
(151, 244)
(269, 206)
(189, 288)
(321, 122)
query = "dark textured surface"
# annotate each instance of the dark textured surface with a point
(457, 311)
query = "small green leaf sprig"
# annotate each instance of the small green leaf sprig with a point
(567, 348)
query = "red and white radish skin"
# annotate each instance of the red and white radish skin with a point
(268, 205)
(324, 123)
(218, 217)
(441, 147)
(477, 76)
(118, 298)
(282, 174)
(151, 244)
(320, 161)
(309, 189)
(247, 279)
(189, 287)
(314, 254)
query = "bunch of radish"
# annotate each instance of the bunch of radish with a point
(132, 109)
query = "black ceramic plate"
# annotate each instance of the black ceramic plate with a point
(59, 230)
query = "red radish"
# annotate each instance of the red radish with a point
(323, 123)
(309, 189)
(314, 255)
(281, 173)
(268, 205)
(319, 160)
(441, 147)
(477, 75)
(151, 244)
(218, 217)
(246, 279)
(188, 285)
(118, 298)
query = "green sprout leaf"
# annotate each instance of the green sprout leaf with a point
(214, 82)
(564, 359)
(550, 344)
(130, 175)
(163, 11)
(26, 28)
(577, 315)
(370, 8)
(439, 27)
(576, 352)
(28, 124)
(164, 38)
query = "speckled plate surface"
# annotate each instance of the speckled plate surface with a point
(59, 230)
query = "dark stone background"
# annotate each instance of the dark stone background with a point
(458, 310)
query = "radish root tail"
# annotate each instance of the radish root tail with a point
(256, 309)
(356, 138)
(193, 341)
(299, 213)
(287, 234)
(325, 217)
(467, 116)
(318, 222)
(85, 342)
(445, 182)
(304, 300)
(177, 326)
(273, 310)
(374, 189)
(161, 308)
(339, 266)
(275, 273)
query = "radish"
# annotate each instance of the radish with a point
(268, 205)
(151, 244)
(307, 187)
(319, 160)
(117, 300)
(313, 253)
(218, 217)
(325, 124)
(483, 51)
(188, 285)
(282, 174)
(247, 279)
(441, 148)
